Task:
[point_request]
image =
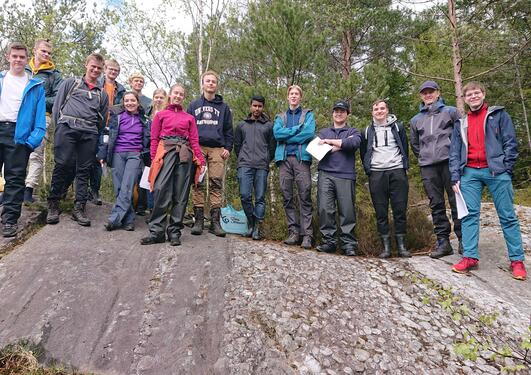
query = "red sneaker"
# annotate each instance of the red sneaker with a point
(465, 265)
(518, 270)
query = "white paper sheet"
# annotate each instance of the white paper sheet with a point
(462, 210)
(316, 150)
(144, 183)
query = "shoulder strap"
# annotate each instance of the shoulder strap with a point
(367, 133)
(76, 85)
(303, 116)
(284, 118)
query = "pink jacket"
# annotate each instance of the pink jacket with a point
(173, 121)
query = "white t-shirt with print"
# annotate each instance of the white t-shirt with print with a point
(11, 96)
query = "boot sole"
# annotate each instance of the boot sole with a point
(52, 222)
(218, 234)
(438, 256)
(80, 223)
(465, 271)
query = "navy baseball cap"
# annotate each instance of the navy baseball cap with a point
(342, 105)
(428, 85)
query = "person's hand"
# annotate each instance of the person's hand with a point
(455, 187)
(322, 141)
(225, 154)
(102, 162)
(335, 148)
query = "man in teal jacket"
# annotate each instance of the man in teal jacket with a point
(22, 128)
(293, 130)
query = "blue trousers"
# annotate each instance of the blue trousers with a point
(501, 190)
(124, 173)
(249, 178)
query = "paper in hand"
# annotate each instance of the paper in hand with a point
(462, 210)
(316, 150)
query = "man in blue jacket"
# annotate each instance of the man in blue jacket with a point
(22, 128)
(483, 153)
(431, 130)
(293, 130)
(337, 182)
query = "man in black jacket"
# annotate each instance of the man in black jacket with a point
(254, 144)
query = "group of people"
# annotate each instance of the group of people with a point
(98, 122)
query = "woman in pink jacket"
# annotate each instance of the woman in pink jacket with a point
(174, 149)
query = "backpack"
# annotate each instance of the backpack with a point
(78, 81)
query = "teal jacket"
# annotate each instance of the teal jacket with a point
(300, 134)
(31, 119)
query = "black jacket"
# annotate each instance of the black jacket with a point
(254, 143)
(367, 139)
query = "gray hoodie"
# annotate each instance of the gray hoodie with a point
(385, 151)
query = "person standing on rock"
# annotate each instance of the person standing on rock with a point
(22, 128)
(214, 124)
(174, 149)
(41, 66)
(384, 152)
(337, 182)
(293, 130)
(483, 153)
(254, 145)
(128, 145)
(80, 112)
(431, 130)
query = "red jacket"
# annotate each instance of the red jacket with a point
(477, 156)
(173, 121)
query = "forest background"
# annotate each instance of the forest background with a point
(355, 50)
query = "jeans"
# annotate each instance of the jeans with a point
(14, 158)
(248, 179)
(501, 189)
(124, 172)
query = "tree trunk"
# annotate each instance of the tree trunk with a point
(456, 58)
(200, 46)
(522, 99)
(346, 46)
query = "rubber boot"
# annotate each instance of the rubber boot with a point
(199, 222)
(256, 234)
(53, 212)
(28, 195)
(403, 252)
(78, 214)
(386, 242)
(250, 227)
(215, 226)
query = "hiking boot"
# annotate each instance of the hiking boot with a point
(151, 240)
(9, 230)
(465, 265)
(256, 234)
(518, 268)
(386, 242)
(109, 226)
(293, 239)
(215, 226)
(96, 198)
(78, 214)
(250, 227)
(326, 247)
(350, 251)
(442, 249)
(306, 242)
(28, 195)
(175, 241)
(199, 222)
(53, 212)
(129, 227)
(403, 252)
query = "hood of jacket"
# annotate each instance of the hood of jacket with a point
(435, 105)
(262, 119)
(47, 65)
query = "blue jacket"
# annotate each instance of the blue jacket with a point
(106, 150)
(431, 130)
(500, 144)
(300, 134)
(31, 119)
(342, 163)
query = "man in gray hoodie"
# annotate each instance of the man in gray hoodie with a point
(431, 131)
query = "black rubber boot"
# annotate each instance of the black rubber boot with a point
(215, 226)
(28, 195)
(78, 214)
(256, 234)
(199, 222)
(403, 252)
(53, 212)
(386, 242)
(250, 227)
